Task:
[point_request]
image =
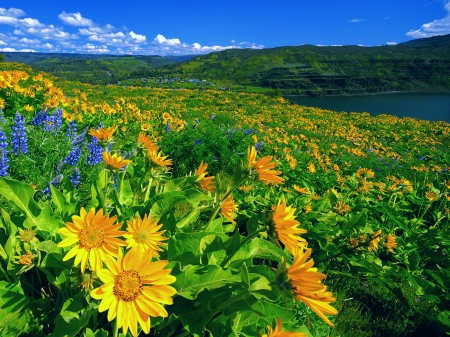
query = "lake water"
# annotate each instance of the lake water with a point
(432, 107)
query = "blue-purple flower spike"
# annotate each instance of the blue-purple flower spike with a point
(19, 136)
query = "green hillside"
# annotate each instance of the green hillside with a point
(93, 69)
(419, 65)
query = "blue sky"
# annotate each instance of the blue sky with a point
(183, 27)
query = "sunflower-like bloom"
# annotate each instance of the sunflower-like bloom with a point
(263, 168)
(284, 227)
(311, 168)
(205, 183)
(103, 134)
(303, 282)
(390, 243)
(229, 208)
(94, 235)
(342, 207)
(114, 161)
(301, 190)
(143, 234)
(134, 289)
(278, 333)
(375, 241)
(158, 159)
(147, 142)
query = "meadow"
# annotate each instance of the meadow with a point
(179, 212)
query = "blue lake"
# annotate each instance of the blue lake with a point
(432, 107)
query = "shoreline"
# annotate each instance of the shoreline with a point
(392, 92)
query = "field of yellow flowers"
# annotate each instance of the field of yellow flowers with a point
(182, 212)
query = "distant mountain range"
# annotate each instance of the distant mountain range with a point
(417, 65)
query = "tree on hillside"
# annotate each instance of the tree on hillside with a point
(2, 58)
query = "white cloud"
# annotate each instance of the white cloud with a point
(356, 20)
(391, 43)
(75, 19)
(21, 50)
(2, 43)
(29, 41)
(29, 22)
(436, 27)
(8, 20)
(137, 37)
(18, 32)
(161, 40)
(13, 12)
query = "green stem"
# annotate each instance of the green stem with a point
(106, 191)
(115, 328)
(213, 216)
(147, 191)
(247, 239)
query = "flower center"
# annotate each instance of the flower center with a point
(127, 285)
(92, 237)
(141, 236)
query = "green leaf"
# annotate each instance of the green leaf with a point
(69, 322)
(126, 195)
(244, 275)
(260, 248)
(188, 219)
(22, 196)
(62, 206)
(12, 304)
(194, 279)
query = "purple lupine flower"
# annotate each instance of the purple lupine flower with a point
(197, 141)
(19, 136)
(75, 178)
(73, 157)
(54, 122)
(95, 152)
(2, 117)
(258, 145)
(4, 160)
(213, 116)
(167, 127)
(71, 131)
(55, 182)
(40, 118)
(249, 131)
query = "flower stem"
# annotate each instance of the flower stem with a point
(213, 216)
(106, 191)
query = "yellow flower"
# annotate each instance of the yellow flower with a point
(28, 108)
(114, 161)
(390, 242)
(134, 289)
(93, 237)
(27, 235)
(285, 228)
(143, 234)
(311, 168)
(301, 190)
(365, 173)
(262, 168)
(145, 127)
(2, 103)
(229, 208)
(430, 195)
(374, 242)
(206, 183)
(160, 160)
(146, 142)
(85, 280)
(103, 134)
(342, 207)
(26, 259)
(303, 282)
(245, 188)
(278, 333)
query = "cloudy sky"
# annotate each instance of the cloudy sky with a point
(149, 27)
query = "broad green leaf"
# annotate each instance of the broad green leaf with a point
(187, 248)
(126, 195)
(12, 304)
(69, 322)
(194, 279)
(22, 195)
(62, 206)
(262, 249)
(188, 219)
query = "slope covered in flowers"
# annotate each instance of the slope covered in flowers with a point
(369, 196)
